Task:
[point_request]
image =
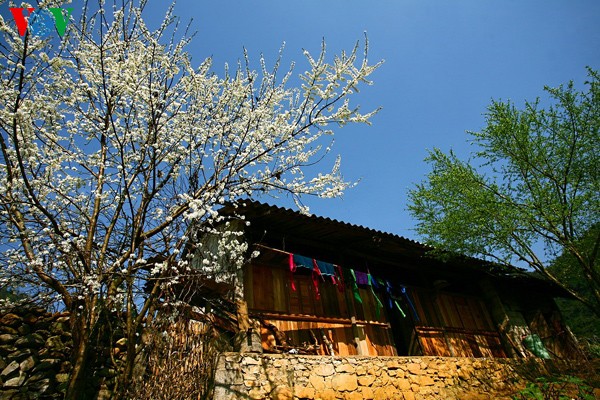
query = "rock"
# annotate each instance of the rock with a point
(7, 338)
(55, 343)
(24, 329)
(62, 378)
(250, 361)
(33, 340)
(10, 369)
(10, 393)
(20, 355)
(64, 317)
(367, 393)
(402, 384)
(46, 364)
(366, 380)
(282, 393)
(344, 382)
(27, 364)
(32, 318)
(9, 330)
(15, 382)
(11, 320)
(40, 386)
(325, 370)
(257, 394)
(7, 349)
(304, 392)
(3, 363)
(42, 332)
(408, 395)
(353, 396)
(66, 366)
(317, 382)
(425, 380)
(414, 368)
(328, 394)
(345, 368)
(38, 376)
(122, 342)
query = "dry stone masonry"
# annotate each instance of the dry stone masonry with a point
(284, 376)
(34, 353)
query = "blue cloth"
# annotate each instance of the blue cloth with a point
(405, 293)
(326, 268)
(303, 262)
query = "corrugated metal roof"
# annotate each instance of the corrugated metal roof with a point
(385, 245)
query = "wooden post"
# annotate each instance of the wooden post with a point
(359, 338)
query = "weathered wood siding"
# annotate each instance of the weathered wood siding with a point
(454, 325)
(300, 313)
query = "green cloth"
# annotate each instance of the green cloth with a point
(379, 304)
(534, 344)
(352, 280)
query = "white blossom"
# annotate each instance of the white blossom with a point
(115, 152)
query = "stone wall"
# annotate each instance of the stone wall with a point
(34, 355)
(279, 376)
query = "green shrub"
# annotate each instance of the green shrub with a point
(556, 388)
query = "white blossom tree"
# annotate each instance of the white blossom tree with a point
(114, 146)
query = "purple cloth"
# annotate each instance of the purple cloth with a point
(361, 278)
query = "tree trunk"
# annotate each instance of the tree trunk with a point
(76, 389)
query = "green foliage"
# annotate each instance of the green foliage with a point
(532, 182)
(577, 316)
(556, 388)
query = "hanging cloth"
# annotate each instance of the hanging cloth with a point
(372, 284)
(339, 278)
(316, 274)
(391, 300)
(410, 303)
(296, 262)
(292, 270)
(361, 278)
(326, 268)
(351, 278)
(302, 262)
(388, 293)
(399, 308)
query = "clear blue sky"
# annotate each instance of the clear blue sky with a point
(444, 62)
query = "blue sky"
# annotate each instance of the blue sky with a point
(444, 62)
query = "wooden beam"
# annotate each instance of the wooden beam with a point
(311, 318)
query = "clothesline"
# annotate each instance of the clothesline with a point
(354, 278)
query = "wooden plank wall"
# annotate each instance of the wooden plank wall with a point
(269, 295)
(557, 339)
(449, 324)
(341, 335)
(455, 325)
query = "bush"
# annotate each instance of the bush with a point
(557, 388)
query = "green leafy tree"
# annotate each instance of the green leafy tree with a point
(530, 192)
(576, 314)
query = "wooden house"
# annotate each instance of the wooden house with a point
(329, 287)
